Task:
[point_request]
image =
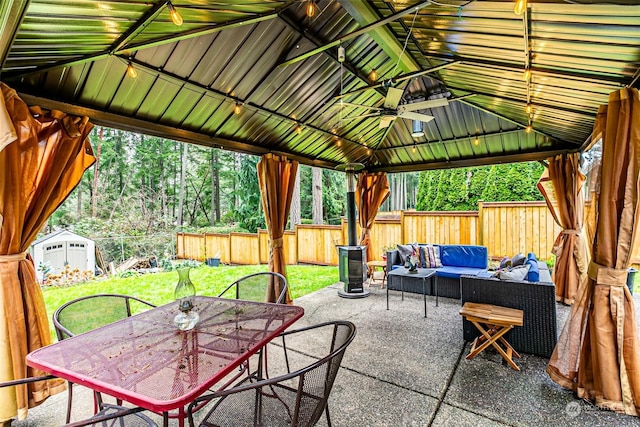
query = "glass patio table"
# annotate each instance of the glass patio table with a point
(146, 361)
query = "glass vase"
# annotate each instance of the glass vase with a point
(187, 318)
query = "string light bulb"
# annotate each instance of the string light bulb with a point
(237, 108)
(413, 149)
(528, 129)
(131, 70)
(373, 76)
(520, 7)
(174, 15)
(476, 141)
(529, 108)
(526, 76)
(298, 129)
(311, 8)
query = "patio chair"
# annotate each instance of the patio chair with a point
(90, 312)
(295, 399)
(106, 417)
(254, 287)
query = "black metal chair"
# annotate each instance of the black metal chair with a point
(254, 287)
(294, 399)
(90, 312)
(109, 415)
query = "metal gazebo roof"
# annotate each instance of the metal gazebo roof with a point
(281, 68)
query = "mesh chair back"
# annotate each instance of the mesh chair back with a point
(295, 399)
(254, 287)
(94, 311)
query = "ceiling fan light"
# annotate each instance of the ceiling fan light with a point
(173, 13)
(520, 7)
(416, 129)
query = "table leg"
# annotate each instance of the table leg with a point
(387, 296)
(402, 287)
(424, 295)
(436, 286)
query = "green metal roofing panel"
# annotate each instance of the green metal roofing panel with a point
(73, 55)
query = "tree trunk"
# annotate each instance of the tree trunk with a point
(79, 201)
(316, 189)
(96, 167)
(215, 187)
(294, 215)
(183, 179)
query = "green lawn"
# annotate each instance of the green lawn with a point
(158, 288)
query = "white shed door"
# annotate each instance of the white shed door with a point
(55, 254)
(77, 255)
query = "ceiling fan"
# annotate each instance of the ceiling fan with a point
(392, 109)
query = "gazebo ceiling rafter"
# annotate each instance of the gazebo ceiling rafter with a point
(217, 93)
(75, 53)
(356, 33)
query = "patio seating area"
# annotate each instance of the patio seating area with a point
(406, 370)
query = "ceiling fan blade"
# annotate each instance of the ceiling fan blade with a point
(431, 103)
(385, 121)
(424, 118)
(393, 98)
(349, 104)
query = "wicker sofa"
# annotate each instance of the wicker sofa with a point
(538, 335)
(456, 259)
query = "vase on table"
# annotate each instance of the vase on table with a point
(184, 293)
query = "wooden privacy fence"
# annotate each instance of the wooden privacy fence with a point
(505, 228)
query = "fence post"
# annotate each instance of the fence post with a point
(480, 231)
(403, 233)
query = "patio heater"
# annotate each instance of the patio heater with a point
(352, 257)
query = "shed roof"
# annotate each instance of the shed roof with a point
(58, 233)
(282, 67)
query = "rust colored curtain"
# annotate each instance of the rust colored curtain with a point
(42, 158)
(561, 185)
(598, 354)
(372, 190)
(277, 177)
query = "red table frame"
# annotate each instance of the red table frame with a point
(146, 361)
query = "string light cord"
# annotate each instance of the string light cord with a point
(406, 41)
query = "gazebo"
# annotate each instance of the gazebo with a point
(396, 86)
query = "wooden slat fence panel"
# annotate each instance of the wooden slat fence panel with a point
(441, 227)
(506, 228)
(218, 244)
(317, 243)
(245, 248)
(512, 227)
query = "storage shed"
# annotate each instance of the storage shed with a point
(61, 248)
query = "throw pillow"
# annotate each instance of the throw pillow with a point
(515, 273)
(518, 259)
(431, 256)
(405, 251)
(506, 262)
(534, 273)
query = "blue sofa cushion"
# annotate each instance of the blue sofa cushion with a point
(455, 272)
(464, 256)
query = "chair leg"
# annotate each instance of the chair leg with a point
(326, 410)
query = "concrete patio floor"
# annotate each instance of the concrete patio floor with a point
(406, 370)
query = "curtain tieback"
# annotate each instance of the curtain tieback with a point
(277, 243)
(13, 257)
(607, 276)
(571, 231)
